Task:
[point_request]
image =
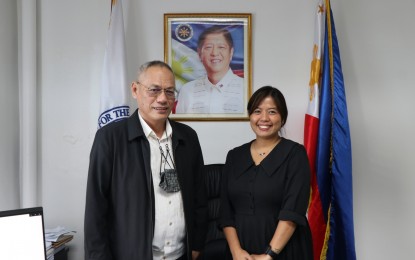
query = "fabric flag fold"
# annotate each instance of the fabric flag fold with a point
(328, 145)
(114, 90)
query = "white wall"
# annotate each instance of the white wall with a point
(377, 42)
(9, 107)
(377, 48)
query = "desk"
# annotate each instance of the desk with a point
(62, 254)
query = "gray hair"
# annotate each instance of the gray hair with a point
(155, 63)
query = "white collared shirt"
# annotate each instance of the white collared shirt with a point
(169, 226)
(201, 96)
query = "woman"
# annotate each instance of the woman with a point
(266, 188)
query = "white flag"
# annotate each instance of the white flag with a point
(114, 89)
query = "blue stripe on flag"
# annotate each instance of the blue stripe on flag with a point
(334, 158)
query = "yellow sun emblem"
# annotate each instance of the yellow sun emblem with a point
(315, 71)
(179, 67)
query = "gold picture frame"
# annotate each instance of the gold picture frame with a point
(210, 54)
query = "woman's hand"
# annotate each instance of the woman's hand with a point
(237, 252)
(242, 255)
(262, 257)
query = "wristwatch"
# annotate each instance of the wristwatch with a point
(271, 253)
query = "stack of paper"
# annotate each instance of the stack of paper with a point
(58, 237)
(50, 252)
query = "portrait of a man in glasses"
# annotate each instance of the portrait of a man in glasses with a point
(145, 196)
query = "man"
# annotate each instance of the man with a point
(220, 91)
(145, 198)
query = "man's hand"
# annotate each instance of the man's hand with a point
(195, 255)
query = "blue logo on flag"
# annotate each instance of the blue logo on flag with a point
(113, 115)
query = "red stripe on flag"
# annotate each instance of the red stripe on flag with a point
(310, 138)
(239, 73)
(315, 209)
(316, 219)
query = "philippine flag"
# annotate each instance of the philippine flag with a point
(328, 145)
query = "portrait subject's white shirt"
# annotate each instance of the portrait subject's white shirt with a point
(169, 226)
(200, 96)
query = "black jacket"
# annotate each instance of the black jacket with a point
(119, 214)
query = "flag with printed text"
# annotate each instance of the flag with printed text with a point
(114, 89)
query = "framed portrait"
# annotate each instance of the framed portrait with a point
(210, 55)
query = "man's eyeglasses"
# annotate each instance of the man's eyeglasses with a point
(154, 91)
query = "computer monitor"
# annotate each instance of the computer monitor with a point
(22, 234)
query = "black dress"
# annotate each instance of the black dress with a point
(255, 197)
